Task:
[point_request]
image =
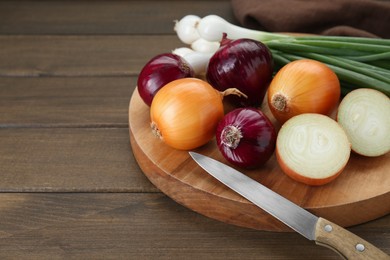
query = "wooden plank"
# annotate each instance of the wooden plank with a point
(65, 101)
(68, 160)
(80, 55)
(143, 226)
(102, 17)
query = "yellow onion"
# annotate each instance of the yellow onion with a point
(185, 113)
(303, 86)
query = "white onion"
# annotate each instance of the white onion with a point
(312, 148)
(365, 116)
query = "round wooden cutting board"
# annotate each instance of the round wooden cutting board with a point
(361, 193)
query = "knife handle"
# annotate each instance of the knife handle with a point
(345, 243)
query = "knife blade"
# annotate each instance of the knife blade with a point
(322, 231)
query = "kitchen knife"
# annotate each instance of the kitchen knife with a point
(322, 231)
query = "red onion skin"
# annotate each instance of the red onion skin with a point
(258, 140)
(159, 71)
(244, 64)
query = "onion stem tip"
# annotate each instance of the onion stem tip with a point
(155, 130)
(231, 136)
(279, 102)
(233, 91)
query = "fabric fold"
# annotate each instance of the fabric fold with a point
(365, 18)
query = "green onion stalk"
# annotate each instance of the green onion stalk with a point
(357, 61)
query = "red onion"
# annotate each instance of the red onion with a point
(246, 137)
(159, 71)
(244, 64)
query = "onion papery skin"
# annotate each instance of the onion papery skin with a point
(159, 71)
(303, 86)
(364, 115)
(185, 113)
(246, 137)
(312, 149)
(243, 64)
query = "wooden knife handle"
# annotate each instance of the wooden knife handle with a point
(345, 243)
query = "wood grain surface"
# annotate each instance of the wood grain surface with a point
(80, 56)
(70, 187)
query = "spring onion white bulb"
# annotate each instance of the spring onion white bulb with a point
(197, 60)
(186, 28)
(212, 27)
(182, 51)
(201, 45)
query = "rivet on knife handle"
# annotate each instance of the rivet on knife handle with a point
(345, 243)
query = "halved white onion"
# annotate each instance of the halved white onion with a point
(365, 116)
(312, 148)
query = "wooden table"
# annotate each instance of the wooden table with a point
(70, 186)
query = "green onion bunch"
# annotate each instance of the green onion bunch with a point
(357, 61)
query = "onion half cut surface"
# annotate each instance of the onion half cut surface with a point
(312, 149)
(365, 116)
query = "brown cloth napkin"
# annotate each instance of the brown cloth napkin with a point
(365, 18)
